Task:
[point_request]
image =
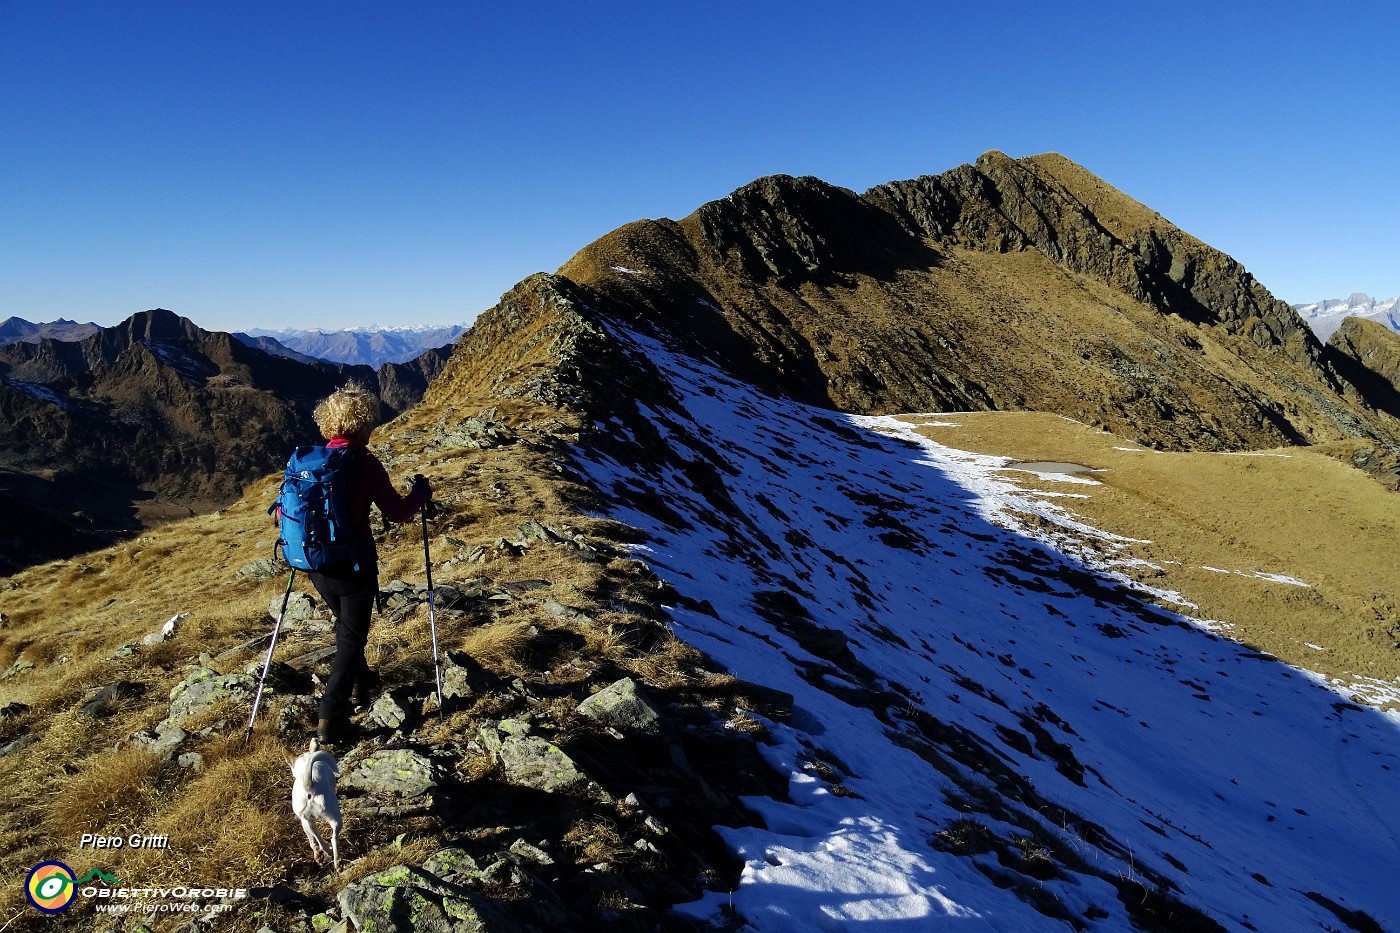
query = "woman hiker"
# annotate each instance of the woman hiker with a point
(346, 418)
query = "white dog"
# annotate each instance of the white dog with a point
(313, 795)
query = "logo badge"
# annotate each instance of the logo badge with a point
(50, 887)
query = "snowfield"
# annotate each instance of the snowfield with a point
(987, 732)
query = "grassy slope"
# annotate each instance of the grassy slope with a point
(231, 823)
(1296, 512)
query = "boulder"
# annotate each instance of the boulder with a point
(161, 741)
(102, 701)
(530, 761)
(625, 708)
(405, 899)
(205, 688)
(400, 771)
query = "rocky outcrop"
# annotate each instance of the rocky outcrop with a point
(1372, 347)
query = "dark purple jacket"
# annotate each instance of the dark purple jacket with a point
(370, 483)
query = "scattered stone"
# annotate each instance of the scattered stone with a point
(405, 899)
(162, 741)
(447, 596)
(296, 715)
(191, 761)
(531, 853)
(18, 744)
(20, 666)
(624, 707)
(203, 689)
(281, 677)
(11, 710)
(531, 761)
(455, 681)
(566, 613)
(300, 607)
(264, 568)
(102, 701)
(389, 711)
(125, 651)
(400, 771)
(453, 864)
(311, 658)
(517, 588)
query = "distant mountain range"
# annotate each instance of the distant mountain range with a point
(17, 329)
(359, 347)
(368, 346)
(1324, 317)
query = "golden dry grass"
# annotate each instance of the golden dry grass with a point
(231, 822)
(1214, 523)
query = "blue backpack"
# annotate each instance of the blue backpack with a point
(313, 509)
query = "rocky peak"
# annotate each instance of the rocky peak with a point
(1007, 283)
(794, 229)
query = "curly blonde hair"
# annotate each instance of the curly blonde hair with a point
(350, 412)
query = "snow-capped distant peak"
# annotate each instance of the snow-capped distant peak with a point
(1325, 316)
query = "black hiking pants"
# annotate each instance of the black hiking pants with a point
(351, 595)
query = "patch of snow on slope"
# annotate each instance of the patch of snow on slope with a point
(980, 697)
(41, 392)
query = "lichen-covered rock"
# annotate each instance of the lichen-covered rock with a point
(531, 761)
(456, 683)
(389, 711)
(300, 608)
(264, 568)
(453, 864)
(162, 741)
(205, 688)
(624, 707)
(405, 899)
(400, 771)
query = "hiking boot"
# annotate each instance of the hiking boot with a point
(333, 733)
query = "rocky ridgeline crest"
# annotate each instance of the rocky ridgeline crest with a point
(1007, 284)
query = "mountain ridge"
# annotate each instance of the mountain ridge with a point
(154, 418)
(944, 700)
(990, 286)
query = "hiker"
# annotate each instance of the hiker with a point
(345, 418)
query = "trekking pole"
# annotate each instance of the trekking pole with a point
(432, 611)
(257, 698)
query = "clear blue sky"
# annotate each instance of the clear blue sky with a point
(305, 163)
